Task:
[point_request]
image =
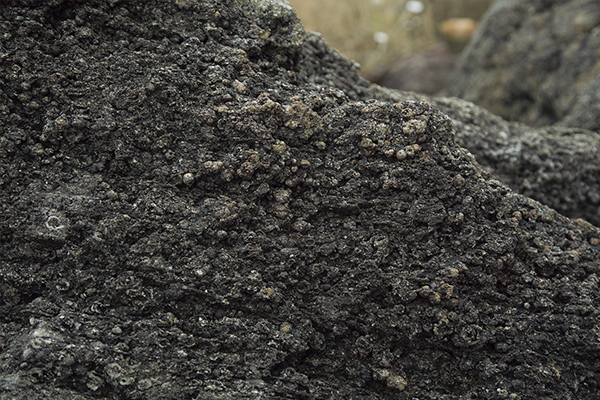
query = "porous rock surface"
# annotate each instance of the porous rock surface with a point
(556, 165)
(198, 202)
(535, 61)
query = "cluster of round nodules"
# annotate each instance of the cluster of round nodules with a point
(209, 167)
(413, 128)
(408, 151)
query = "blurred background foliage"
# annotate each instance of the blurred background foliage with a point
(378, 33)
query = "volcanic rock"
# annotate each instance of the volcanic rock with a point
(535, 61)
(201, 201)
(558, 166)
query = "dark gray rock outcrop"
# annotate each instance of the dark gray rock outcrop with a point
(555, 165)
(537, 62)
(199, 202)
(559, 166)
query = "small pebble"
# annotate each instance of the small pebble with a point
(188, 178)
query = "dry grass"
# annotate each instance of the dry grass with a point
(352, 26)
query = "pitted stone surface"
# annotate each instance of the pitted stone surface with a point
(200, 203)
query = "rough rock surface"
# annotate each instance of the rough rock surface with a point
(196, 204)
(555, 165)
(537, 62)
(558, 166)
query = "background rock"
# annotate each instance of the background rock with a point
(535, 61)
(200, 202)
(425, 72)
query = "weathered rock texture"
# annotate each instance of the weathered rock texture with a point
(555, 165)
(559, 166)
(196, 204)
(537, 62)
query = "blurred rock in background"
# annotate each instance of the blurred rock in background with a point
(535, 62)
(425, 72)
